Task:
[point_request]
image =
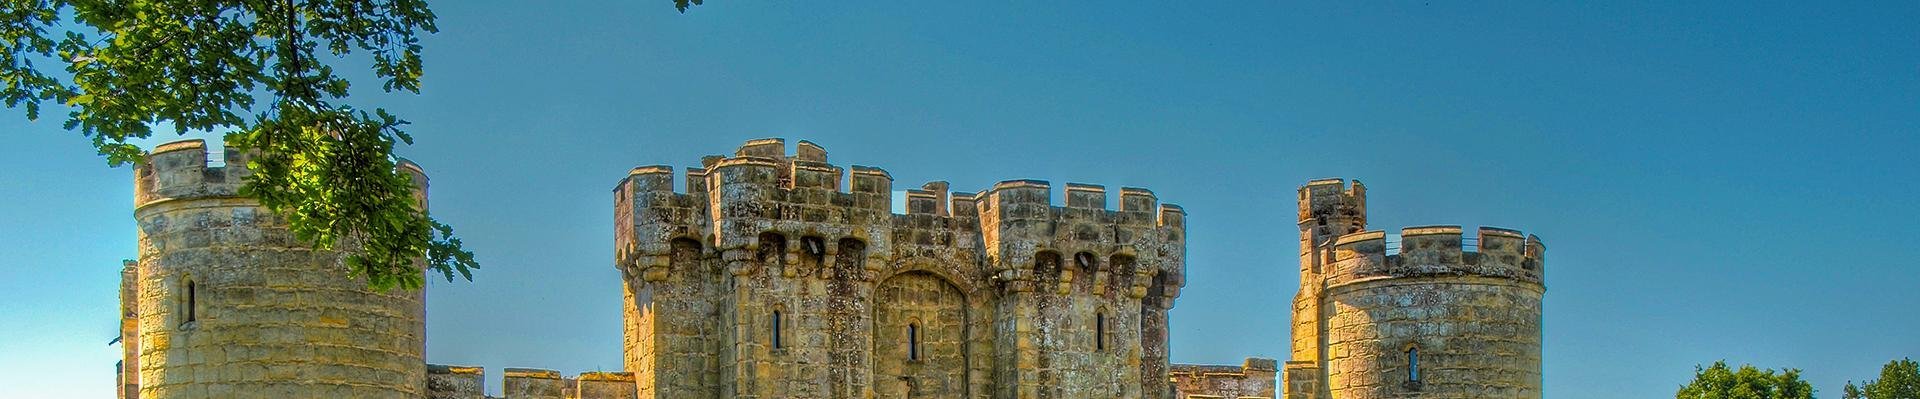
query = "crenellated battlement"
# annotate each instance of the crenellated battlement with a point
(182, 170)
(1474, 298)
(1034, 242)
(1437, 251)
(771, 260)
(734, 200)
(1032, 199)
(1253, 378)
(451, 382)
(216, 269)
(1333, 205)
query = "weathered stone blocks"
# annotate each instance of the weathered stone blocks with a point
(1252, 379)
(229, 304)
(1425, 316)
(769, 278)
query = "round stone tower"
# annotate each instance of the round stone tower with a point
(1432, 315)
(231, 304)
(1435, 319)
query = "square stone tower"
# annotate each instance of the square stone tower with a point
(777, 275)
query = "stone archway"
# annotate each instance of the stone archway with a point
(919, 338)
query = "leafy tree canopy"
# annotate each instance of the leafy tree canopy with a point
(1721, 382)
(263, 71)
(1899, 379)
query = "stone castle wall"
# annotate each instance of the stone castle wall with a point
(772, 275)
(1470, 320)
(1253, 379)
(1432, 318)
(466, 382)
(229, 303)
(774, 278)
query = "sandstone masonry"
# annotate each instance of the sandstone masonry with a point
(225, 302)
(771, 277)
(777, 275)
(1426, 316)
(1250, 380)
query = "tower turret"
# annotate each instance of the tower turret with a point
(1439, 315)
(231, 304)
(1328, 208)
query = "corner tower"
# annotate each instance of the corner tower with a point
(230, 304)
(1430, 314)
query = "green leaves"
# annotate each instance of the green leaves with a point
(1720, 382)
(683, 4)
(336, 183)
(23, 38)
(1899, 379)
(132, 65)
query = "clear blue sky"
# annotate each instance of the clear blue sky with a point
(1716, 181)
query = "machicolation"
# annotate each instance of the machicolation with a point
(999, 293)
(769, 274)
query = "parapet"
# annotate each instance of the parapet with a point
(467, 382)
(605, 385)
(929, 199)
(1254, 378)
(183, 170)
(534, 383)
(1032, 199)
(761, 170)
(732, 200)
(1331, 200)
(1086, 196)
(1253, 365)
(455, 382)
(1428, 251)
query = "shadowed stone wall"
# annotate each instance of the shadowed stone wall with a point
(465, 382)
(1253, 379)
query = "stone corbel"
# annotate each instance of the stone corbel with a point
(1065, 286)
(1140, 283)
(1100, 281)
(1014, 280)
(791, 258)
(653, 268)
(739, 261)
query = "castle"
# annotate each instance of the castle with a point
(1430, 318)
(777, 275)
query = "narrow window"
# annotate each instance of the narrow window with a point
(776, 329)
(1100, 331)
(1413, 364)
(913, 342)
(190, 304)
